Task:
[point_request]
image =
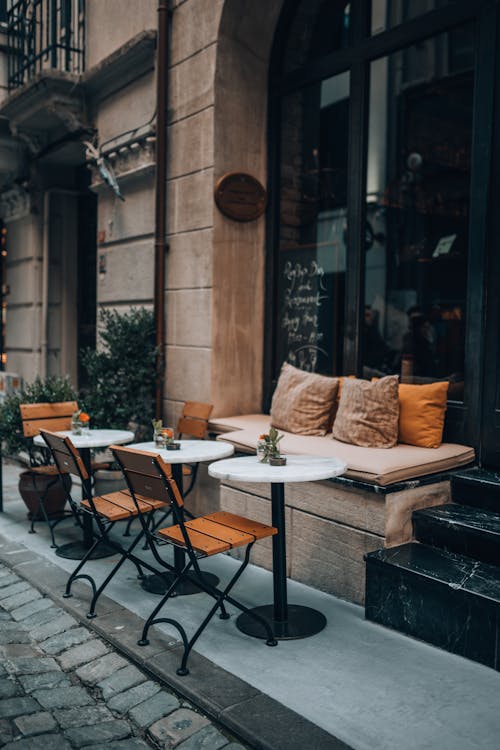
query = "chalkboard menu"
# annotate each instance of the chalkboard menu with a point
(305, 330)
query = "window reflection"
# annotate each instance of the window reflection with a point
(418, 185)
(319, 27)
(389, 13)
(312, 250)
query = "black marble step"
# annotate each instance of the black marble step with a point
(437, 596)
(460, 528)
(477, 487)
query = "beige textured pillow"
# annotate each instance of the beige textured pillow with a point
(368, 413)
(303, 402)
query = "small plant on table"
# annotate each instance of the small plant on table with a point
(268, 448)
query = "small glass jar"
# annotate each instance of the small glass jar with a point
(159, 438)
(262, 451)
(76, 426)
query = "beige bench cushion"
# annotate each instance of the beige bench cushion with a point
(380, 466)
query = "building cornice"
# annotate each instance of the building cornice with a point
(121, 67)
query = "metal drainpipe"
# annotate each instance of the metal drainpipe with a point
(44, 313)
(160, 199)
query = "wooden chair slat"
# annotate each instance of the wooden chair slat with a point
(246, 525)
(233, 537)
(192, 427)
(65, 454)
(207, 545)
(56, 424)
(197, 410)
(108, 510)
(124, 500)
(47, 410)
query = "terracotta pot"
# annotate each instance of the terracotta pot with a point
(54, 501)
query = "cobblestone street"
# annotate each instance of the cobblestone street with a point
(61, 687)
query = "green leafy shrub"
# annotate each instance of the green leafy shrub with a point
(121, 374)
(50, 390)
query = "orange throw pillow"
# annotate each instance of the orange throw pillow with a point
(421, 413)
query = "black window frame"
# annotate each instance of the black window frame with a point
(462, 423)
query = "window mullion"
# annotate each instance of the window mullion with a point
(354, 291)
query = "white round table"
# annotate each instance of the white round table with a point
(92, 439)
(287, 621)
(190, 452)
(84, 443)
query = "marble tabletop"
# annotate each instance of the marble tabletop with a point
(191, 451)
(93, 438)
(297, 469)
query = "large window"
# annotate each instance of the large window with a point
(417, 211)
(374, 120)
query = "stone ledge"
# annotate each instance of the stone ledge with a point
(123, 66)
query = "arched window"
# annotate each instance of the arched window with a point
(372, 110)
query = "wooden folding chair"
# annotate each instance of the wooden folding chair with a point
(105, 511)
(34, 417)
(193, 423)
(54, 417)
(149, 476)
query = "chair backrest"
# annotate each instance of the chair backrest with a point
(148, 476)
(53, 417)
(194, 419)
(65, 455)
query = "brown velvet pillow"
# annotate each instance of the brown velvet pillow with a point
(303, 402)
(368, 413)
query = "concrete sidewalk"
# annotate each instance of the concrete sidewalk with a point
(355, 684)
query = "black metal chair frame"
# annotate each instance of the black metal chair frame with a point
(39, 457)
(68, 460)
(145, 473)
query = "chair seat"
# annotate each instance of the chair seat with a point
(187, 470)
(47, 471)
(97, 465)
(218, 532)
(119, 505)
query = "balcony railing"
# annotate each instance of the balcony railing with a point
(44, 35)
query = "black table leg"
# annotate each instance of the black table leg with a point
(78, 550)
(159, 584)
(287, 621)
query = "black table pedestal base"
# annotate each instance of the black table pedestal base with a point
(300, 623)
(78, 550)
(158, 584)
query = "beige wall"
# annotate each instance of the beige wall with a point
(217, 113)
(111, 23)
(215, 285)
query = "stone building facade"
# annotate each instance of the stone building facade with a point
(372, 125)
(217, 74)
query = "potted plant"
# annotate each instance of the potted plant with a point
(14, 445)
(120, 376)
(268, 448)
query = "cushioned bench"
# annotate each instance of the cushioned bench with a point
(381, 466)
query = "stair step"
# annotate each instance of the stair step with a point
(469, 531)
(477, 487)
(440, 597)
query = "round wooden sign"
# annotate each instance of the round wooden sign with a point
(240, 196)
